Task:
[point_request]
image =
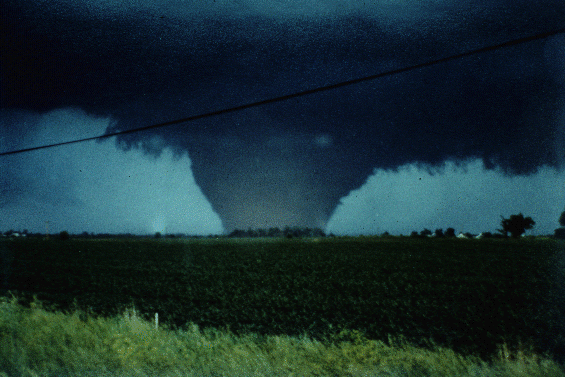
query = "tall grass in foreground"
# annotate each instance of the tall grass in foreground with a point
(36, 342)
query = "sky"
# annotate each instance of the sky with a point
(457, 144)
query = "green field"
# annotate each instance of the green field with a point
(470, 296)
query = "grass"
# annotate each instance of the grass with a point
(36, 342)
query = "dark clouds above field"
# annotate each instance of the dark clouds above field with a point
(137, 63)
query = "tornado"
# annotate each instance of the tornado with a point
(289, 163)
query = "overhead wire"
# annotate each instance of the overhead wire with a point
(319, 89)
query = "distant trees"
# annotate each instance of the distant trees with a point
(516, 225)
(560, 232)
(287, 232)
(486, 235)
(64, 235)
(438, 233)
(426, 232)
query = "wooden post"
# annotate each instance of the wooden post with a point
(156, 320)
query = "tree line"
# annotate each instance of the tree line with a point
(514, 226)
(287, 232)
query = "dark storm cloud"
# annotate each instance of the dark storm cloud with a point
(267, 166)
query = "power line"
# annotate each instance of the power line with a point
(513, 42)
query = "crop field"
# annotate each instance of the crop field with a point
(468, 295)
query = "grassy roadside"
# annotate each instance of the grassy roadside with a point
(37, 342)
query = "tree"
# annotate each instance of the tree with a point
(64, 235)
(426, 232)
(450, 232)
(560, 232)
(516, 225)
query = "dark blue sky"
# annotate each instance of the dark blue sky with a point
(290, 163)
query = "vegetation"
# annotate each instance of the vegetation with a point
(516, 225)
(560, 232)
(288, 232)
(426, 233)
(36, 342)
(64, 235)
(468, 299)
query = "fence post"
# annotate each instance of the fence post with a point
(156, 320)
